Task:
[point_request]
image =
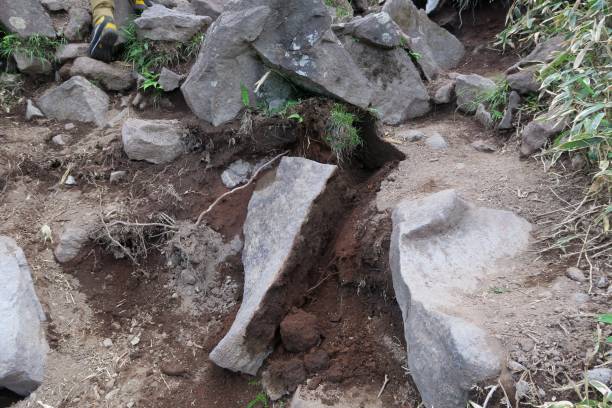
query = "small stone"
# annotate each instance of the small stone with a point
(445, 93)
(53, 5)
(169, 80)
(299, 331)
(32, 111)
(526, 344)
(70, 181)
(602, 282)
(69, 126)
(436, 142)
(237, 173)
(516, 366)
(575, 274)
(410, 135)
(107, 343)
(71, 51)
(156, 141)
(603, 375)
(581, 298)
(188, 277)
(484, 117)
(61, 139)
(135, 340)
(523, 390)
(483, 146)
(471, 88)
(117, 176)
(514, 102)
(578, 161)
(32, 65)
(79, 21)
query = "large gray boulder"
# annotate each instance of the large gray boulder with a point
(471, 90)
(26, 18)
(160, 23)
(155, 141)
(22, 344)
(439, 50)
(399, 92)
(77, 100)
(112, 77)
(377, 29)
(441, 249)
(31, 65)
(275, 246)
(211, 8)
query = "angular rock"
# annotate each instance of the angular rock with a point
(514, 102)
(275, 92)
(436, 141)
(283, 211)
(377, 29)
(470, 89)
(441, 248)
(603, 375)
(523, 82)
(76, 99)
(117, 176)
(299, 331)
(26, 18)
(543, 52)
(169, 80)
(575, 274)
(32, 111)
(444, 93)
(159, 23)
(79, 21)
(439, 50)
(537, 133)
(155, 141)
(71, 51)
(237, 173)
(483, 116)
(32, 65)
(74, 236)
(23, 347)
(60, 139)
(399, 93)
(112, 77)
(483, 146)
(53, 5)
(211, 8)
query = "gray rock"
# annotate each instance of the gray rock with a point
(188, 277)
(377, 29)
(237, 173)
(26, 18)
(280, 212)
(410, 135)
(603, 375)
(523, 390)
(60, 139)
(74, 236)
(439, 49)
(445, 93)
(32, 65)
(575, 274)
(32, 111)
(436, 142)
(275, 92)
(484, 117)
(602, 282)
(580, 298)
(537, 133)
(23, 347)
(70, 181)
(79, 21)
(116, 176)
(211, 8)
(155, 141)
(163, 24)
(69, 126)
(76, 99)
(441, 248)
(68, 52)
(523, 82)
(399, 93)
(514, 102)
(169, 80)
(483, 146)
(53, 5)
(112, 77)
(470, 89)
(543, 52)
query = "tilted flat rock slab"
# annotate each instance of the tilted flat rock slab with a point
(26, 18)
(442, 248)
(160, 23)
(22, 341)
(273, 231)
(155, 141)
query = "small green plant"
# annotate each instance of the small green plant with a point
(151, 81)
(342, 135)
(35, 46)
(606, 318)
(415, 56)
(244, 95)
(260, 401)
(495, 100)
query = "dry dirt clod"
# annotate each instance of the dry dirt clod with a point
(299, 331)
(174, 369)
(575, 274)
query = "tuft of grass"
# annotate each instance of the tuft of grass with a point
(35, 46)
(342, 135)
(495, 100)
(260, 401)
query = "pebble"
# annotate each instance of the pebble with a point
(107, 343)
(603, 375)
(117, 176)
(575, 274)
(69, 126)
(436, 141)
(515, 366)
(59, 140)
(602, 282)
(188, 277)
(173, 369)
(70, 181)
(483, 146)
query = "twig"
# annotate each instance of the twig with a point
(383, 386)
(115, 242)
(253, 177)
(489, 395)
(505, 394)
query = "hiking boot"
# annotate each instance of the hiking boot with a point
(103, 39)
(140, 5)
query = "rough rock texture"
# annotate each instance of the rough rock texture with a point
(439, 49)
(237, 173)
(537, 133)
(53, 5)
(32, 111)
(211, 8)
(26, 17)
(283, 377)
(441, 248)
(279, 211)
(74, 236)
(469, 89)
(112, 77)
(22, 344)
(523, 82)
(76, 99)
(163, 24)
(444, 93)
(299, 331)
(71, 51)
(169, 80)
(32, 65)
(436, 141)
(155, 141)
(543, 52)
(79, 21)
(483, 116)
(514, 102)
(377, 29)
(399, 93)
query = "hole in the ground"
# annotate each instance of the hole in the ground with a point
(8, 398)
